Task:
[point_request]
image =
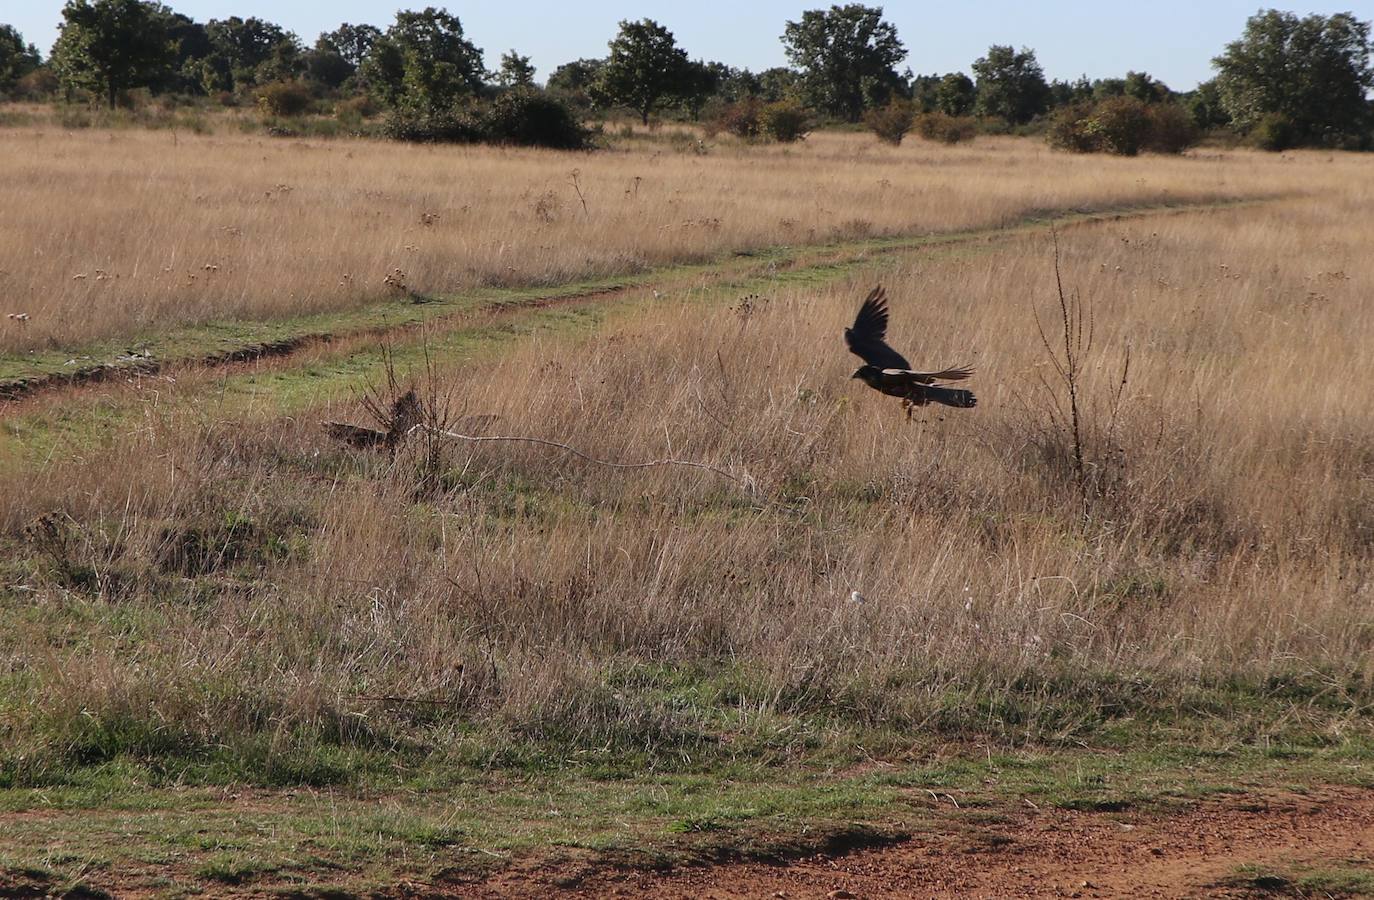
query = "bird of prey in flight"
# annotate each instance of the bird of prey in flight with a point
(887, 371)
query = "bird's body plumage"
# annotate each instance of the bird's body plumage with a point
(887, 371)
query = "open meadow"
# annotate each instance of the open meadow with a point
(125, 233)
(241, 655)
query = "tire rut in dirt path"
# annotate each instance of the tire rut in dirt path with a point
(1212, 849)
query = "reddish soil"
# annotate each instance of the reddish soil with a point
(1036, 853)
(1214, 848)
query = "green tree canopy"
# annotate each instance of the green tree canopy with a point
(732, 84)
(1064, 93)
(190, 44)
(515, 71)
(1204, 103)
(424, 61)
(847, 56)
(352, 42)
(921, 89)
(17, 59)
(955, 94)
(1139, 85)
(109, 46)
(1146, 88)
(1314, 72)
(248, 51)
(700, 82)
(337, 54)
(575, 81)
(779, 83)
(1011, 85)
(645, 68)
(287, 60)
(326, 65)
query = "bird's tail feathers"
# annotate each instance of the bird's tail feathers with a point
(956, 397)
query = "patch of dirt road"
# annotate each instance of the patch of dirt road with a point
(1205, 851)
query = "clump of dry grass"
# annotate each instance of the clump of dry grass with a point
(116, 233)
(1226, 539)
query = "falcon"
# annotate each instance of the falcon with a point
(887, 371)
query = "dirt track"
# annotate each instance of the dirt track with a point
(1045, 853)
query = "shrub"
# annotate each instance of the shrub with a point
(433, 127)
(1172, 129)
(743, 119)
(526, 118)
(946, 129)
(39, 84)
(1069, 128)
(891, 122)
(357, 108)
(284, 99)
(1275, 132)
(533, 119)
(785, 121)
(1122, 125)
(135, 99)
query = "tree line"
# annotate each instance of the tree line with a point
(1289, 80)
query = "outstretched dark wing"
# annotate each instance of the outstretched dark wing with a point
(865, 336)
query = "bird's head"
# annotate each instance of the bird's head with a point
(865, 373)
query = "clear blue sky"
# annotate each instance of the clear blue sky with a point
(1174, 40)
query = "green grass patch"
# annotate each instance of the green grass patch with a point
(232, 868)
(1334, 879)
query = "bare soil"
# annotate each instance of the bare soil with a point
(1213, 849)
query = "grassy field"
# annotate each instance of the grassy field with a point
(266, 658)
(123, 234)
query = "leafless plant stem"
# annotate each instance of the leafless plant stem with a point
(577, 186)
(1077, 324)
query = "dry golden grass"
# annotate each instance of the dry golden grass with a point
(115, 233)
(1228, 538)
